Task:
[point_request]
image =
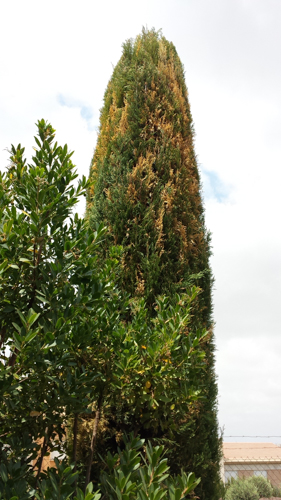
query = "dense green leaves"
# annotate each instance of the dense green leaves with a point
(145, 186)
(73, 347)
(144, 178)
(49, 290)
(132, 476)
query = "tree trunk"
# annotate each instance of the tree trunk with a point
(40, 459)
(93, 441)
(75, 431)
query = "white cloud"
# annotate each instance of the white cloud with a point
(86, 111)
(252, 370)
(214, 187)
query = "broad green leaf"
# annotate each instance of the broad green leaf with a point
(23, 320)
(18, 340)
(3, 473)
(23, 259)
(31, 319)
(18, 328)
(30, 336)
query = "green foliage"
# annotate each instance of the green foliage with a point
(263, 486)
(71, 344)
(249, 489)
(276, 491)
(50, 289)
(58, 484)
(55, 484)
(145, 187)
(149, 371)
(133, 477)
(242, 489)
(144, 177)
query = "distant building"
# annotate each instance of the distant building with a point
(48, 460)
(252, 459)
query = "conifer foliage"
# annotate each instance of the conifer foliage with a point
(145, 186)
(145, 181)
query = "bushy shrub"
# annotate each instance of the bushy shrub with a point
(132, 475)
(242, 489)
(276, 491)
(263, 486)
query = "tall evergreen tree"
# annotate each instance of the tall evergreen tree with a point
(145, 187)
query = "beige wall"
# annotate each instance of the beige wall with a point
(274, 477)
(47, 462)
(245, 473)
(240, 470)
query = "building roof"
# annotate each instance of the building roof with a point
(251, 452)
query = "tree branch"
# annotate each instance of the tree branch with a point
(93, 440)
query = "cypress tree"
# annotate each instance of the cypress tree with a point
(145, 186)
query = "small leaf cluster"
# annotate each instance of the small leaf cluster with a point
(133, 475)
(56, 484)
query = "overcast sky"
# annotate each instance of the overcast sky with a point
(56, 59)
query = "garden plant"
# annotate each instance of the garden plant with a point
(73, 346)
